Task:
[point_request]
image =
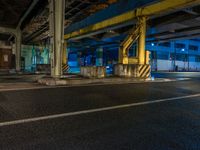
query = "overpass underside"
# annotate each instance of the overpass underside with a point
(107, 34)
(136, 18)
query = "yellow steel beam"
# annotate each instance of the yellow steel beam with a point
(127, 43)
(141, 40)
(160, 7)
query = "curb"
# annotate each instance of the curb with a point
(71, 82)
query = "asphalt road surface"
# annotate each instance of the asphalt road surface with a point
(143, 116)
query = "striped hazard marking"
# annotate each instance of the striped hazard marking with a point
(65, 68)
(144, 71)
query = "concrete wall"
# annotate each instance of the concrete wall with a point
(5, 45)
(93, 71)
(5, 58)
(163, 65)
(167, 65)
(6, 61)
(194, 66)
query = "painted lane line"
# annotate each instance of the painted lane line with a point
(35, 119)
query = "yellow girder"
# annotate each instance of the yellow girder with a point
(154, 9)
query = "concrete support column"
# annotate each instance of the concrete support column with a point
(141, 40)
(18, 50)
(99, 56)
(13, 48)
(57, 14)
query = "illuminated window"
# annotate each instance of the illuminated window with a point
(193, 47)
(165, 44)
(179, 45)
(197, 58)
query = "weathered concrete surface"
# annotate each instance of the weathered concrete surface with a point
(132, 70)
(93, 71)
(80, 81)
(109, 80)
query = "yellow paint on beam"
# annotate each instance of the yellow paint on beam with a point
(132, 60)
(160, 7)
(106, 23)
(147, 57)
(166, 5)
(64, 54)
(126, 44)
(141, 40)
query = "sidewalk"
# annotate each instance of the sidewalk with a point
(23, 82)
(15, 78)
(70, 81)
(17, 82)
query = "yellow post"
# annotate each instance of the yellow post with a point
(123, 56)
(141, 40)
(147, 57)
(64, 58)
(120, 57)
(64, 54)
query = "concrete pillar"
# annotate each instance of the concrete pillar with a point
(13, 48)
(99, 57)
(57, 14)
(18, 42)
(141, 40)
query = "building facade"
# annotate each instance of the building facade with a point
(180, 55)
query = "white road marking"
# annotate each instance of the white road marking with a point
(35, 119)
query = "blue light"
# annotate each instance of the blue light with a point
(152, 78)
(152, 44)
(182, 49)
